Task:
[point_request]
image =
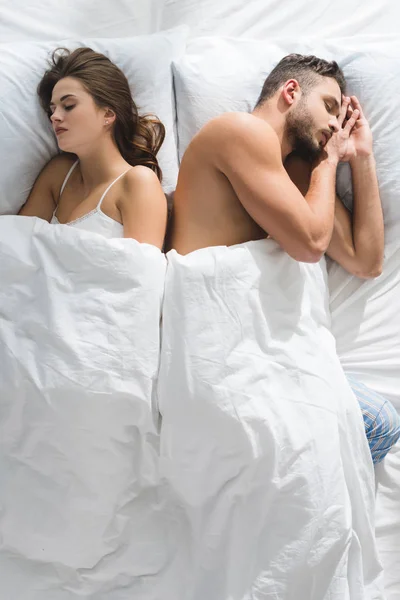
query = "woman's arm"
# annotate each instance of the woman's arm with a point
(43, 197)
(143, 207)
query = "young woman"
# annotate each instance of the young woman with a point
(107, 178)
(357, 244)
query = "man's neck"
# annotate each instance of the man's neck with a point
(277, 120)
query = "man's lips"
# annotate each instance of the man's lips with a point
(326, 137)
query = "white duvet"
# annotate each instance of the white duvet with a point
(255, 483)
(262, 441)
(80, 505)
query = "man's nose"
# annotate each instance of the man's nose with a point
(334, 125)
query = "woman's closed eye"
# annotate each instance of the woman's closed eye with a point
(67, 107)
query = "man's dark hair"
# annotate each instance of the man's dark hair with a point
(305, 69)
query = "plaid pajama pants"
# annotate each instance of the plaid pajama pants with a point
(381, 420)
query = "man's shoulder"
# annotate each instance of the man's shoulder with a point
(238, 136)
(238, 123)
(231, 130)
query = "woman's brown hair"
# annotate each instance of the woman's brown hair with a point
(138, 138)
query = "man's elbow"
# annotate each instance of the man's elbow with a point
(365, 267)
(369, 272)
(316, 247)
(312, 252)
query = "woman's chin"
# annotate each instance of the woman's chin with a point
(64, 147)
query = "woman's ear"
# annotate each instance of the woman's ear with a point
(109, 116)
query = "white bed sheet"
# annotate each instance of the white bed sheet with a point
(387, 520)
(48, 20)
(366, 324)
(258, 19)
(263, 19)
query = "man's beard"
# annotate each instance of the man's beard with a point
(299, 128)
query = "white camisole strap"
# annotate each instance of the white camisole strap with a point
(110, 186)
(68, 175)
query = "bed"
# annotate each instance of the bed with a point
(187, 61)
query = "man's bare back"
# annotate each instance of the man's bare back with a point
(207, 210)
(233, 188)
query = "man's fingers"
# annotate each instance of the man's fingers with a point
(343, 110)
(352, 121)
(349, 111)
(355, 102)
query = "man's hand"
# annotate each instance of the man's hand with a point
(341, 146)
(360, 140)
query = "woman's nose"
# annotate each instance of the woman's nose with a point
(55, 116)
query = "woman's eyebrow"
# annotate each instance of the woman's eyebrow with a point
(63, 98)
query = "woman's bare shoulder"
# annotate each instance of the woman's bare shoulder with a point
(141, 179)
(44, 195)
(56, 170)
(141, 185)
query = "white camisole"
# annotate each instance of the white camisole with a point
(95, 220)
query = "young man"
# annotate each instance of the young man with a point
(234, 187)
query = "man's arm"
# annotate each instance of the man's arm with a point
(357, 242)
(358, 239)
(250, 158)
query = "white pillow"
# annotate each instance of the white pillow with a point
(26, 138)
(226, 74)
